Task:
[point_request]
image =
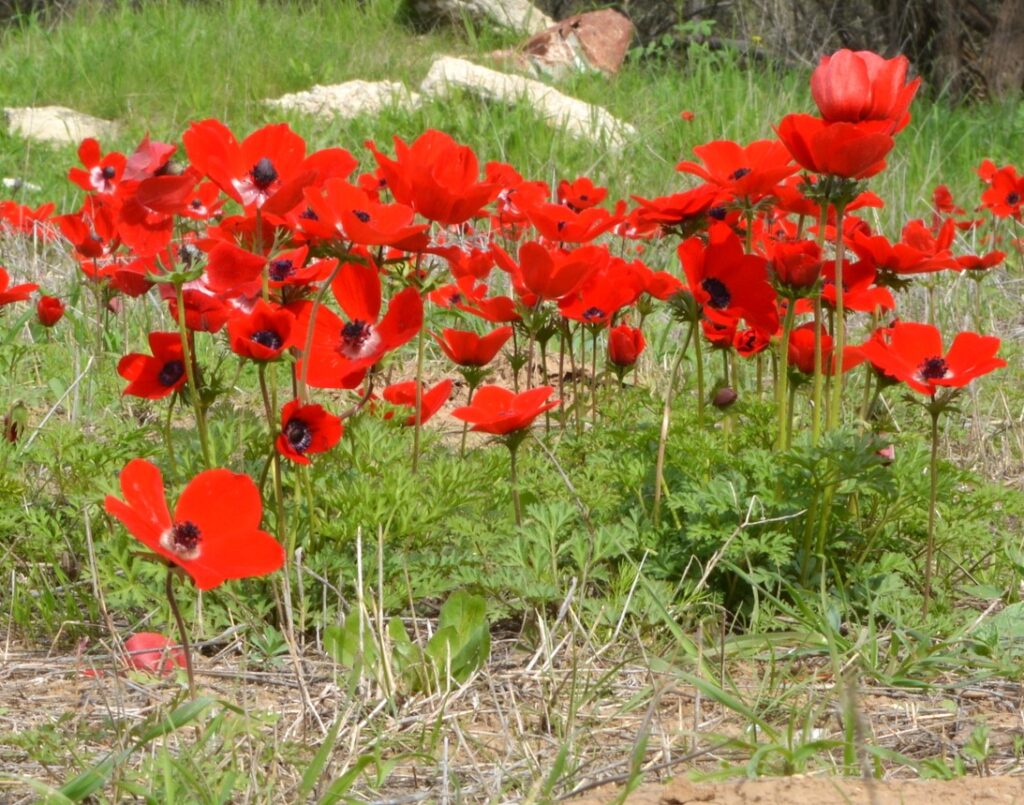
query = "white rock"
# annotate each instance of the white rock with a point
(56, 124)
(519, 15)
(14, 183)
(348, 100)
(577, 118)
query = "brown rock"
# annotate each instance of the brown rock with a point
(596, 39)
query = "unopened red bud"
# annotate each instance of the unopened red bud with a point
(724, 397)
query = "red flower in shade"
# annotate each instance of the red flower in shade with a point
(979, 262)
(262, 334)
(580, 194)
(668, 212)
(215, 532)
(203, 311)
(466, 348)
(848, 150)
(16, 293)
(437, 177)
(625, 344)
(35, 222)
(852, 86)
(796, 264)
(608, 289)
(899, 258)
(231, 269)
(157, 375)
(801, 348)
(912, 353)
(748, 172)
(561, 224)
(726, 281)
(148, 159)
(265, 170)
(343, 351)
(49, 310)
(307, 429)
(152, 652)
(404, 394)
(501, 412)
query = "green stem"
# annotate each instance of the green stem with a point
(783, 397)
(190, 373)
(933, 494)
(269, 409)
(465, 425)
(168, 440)
(186, 646)
(698, 355)
(666, 420)
(513, 449)
(418, 422)
(835, 412)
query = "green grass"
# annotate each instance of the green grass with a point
(601, 623)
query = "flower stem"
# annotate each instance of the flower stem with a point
(186, 646)
(933, 477)
(418, 422)
(190, 373)
(782, 401)
(666, 421)
(835, 412)
(513, 449)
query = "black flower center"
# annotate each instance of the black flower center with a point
(1013, 198)
(354, 333)
(298, 434)
(171, 373)
(185, 536)
(195, 204)
(720, 296)
(717, 213)
(584, 197)
(188, 253)
(362, 215)
(592, 313)
(455, 299)
(109, 172)
(263, 173)
(561, 225)
(738, 174)
(309, 215)
(933, 368)
(280, 270)
(267, 338)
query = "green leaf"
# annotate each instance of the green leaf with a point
(316, 766)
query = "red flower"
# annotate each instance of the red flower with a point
(404, 394)
(264, 171)
(214, 534)
(676, 210)
(549, 272)
(580, 194)
(345, 211)
(262, 334)
(852, 86)
(151, 651)
(801, 348)
(625, 344)
(102, 173)
(307, 429)
(848, 150)
(157, 375)
(343, 351)
(49, 310)
(749, 172)
(501, 412)
(437, 177)
(466, 348)
(796, 264)
(912, 353)
(1005, 194)
(726, 281)
(561, 224)
(16, 293)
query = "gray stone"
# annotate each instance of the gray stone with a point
(56, 124)
(349, 100)
(579, 119)
(518, 15)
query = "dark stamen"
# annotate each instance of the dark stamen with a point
(309, 215)
(717, 213)
(171, 373)
(361, 215)
(298, 434)
(280, 270)
(720, 296)
(263, 173)
(109, 172)
(1013, 198)
(592, 313)
(267, 338)
(738, 174)
(354, 333)
(933, 368)
(185, 536)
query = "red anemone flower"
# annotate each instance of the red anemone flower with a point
(16, 293)
(102, 174)
(466, 348)
(852, 86)
(796, 264)
(153, 652)
(343, 210)
(625, 344)
(404, 394)
(261, 334)
(342, 351)
(848, 150)
(549, 272)
(580, 194)
(1005, 194)
(49, 310)
(215, 532)
(912, 353)
(748, 172)
(437, 177)
(501, 412)
(157, 375)
(307, 429)
(562, 224)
